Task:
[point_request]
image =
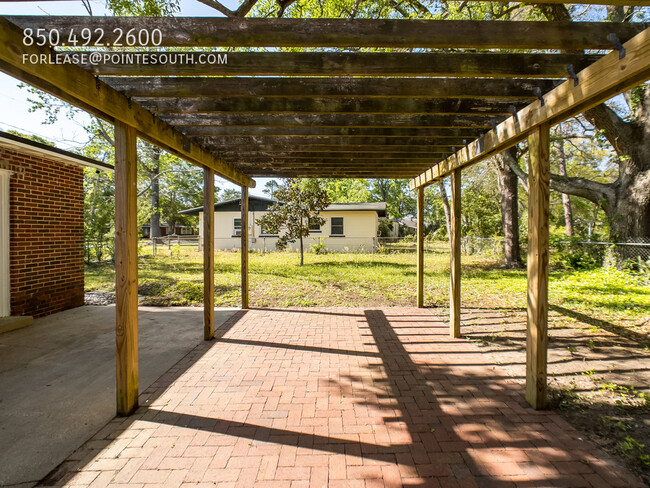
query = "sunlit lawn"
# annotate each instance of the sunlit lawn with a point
(175, 277)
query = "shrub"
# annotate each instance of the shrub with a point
(319, 248)
(191, 292)
(570, 253)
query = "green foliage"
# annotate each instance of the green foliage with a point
(151, 8)
(31, 137)
(319, 248)
(300, 201)
(181, 187)
(481, 214)
(270, 187)
(568, 252)
(603, 288)
(356, 280)
(400, 200)
(385, 227)
(99, 205)
(230, 194)
(632, 448)
(349, 190)
(637, 96)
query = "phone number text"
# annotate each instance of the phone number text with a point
(93, 37)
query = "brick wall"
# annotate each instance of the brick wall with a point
(46, 234)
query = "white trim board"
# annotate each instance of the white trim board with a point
(5, 279)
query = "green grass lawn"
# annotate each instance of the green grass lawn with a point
(175, 277)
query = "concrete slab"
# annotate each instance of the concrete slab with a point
(57, 380)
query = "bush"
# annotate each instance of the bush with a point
(191, 292)
(319, 248)
(569, 253)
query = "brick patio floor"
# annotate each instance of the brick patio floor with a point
(337, 397)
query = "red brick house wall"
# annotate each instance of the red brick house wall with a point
(46, 234)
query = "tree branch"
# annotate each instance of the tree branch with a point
(599, 193)
(217, 6)
(618, 132)
(284, 4)
(245, 7)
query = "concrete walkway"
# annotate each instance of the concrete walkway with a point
(57, 380)
(333, 398)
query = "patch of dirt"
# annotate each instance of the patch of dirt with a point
(598, 372)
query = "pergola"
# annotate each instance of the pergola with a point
(440, 96)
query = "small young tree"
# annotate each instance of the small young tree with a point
(299, 202)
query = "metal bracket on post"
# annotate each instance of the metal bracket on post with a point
(513, 110)
(617, 45)
(493, 123)
(538, 93)
(480, 142)
(572, 74)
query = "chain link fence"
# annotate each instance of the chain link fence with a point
(574, 252)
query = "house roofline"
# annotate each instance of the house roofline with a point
(380, 207)
(13, 141)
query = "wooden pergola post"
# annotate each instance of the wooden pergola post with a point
(420, 247)
(208, 254)
(244, 247)
(454, 240)
(126, 269)
(538, 235)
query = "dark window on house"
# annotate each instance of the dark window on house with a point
(236, 227)
(337, 226)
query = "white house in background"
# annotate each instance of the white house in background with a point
(348, 226)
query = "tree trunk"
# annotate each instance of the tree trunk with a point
(566, 199)
(302, 252)
(445, 205)
(509, 200)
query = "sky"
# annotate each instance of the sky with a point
(69, 134)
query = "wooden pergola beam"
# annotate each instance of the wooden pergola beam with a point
(75, 85)
(331, 173)
(435, 34)
(331, 134)
(602, 80)
(317, 143)
(275, 156)
(225, 151)
(486, 65)
(330, 120)
(314, 87)
(421, 106)
(251, 164)
(322, 169)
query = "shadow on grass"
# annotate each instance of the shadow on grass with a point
(618, 330)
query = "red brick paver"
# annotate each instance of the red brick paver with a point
(338, 398)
